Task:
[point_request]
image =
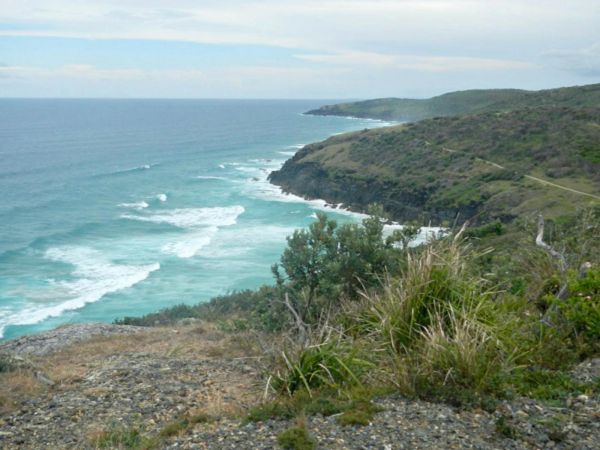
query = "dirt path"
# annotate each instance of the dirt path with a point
(531, 177)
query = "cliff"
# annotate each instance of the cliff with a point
(483, 167)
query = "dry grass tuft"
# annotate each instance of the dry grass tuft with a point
(15, 386)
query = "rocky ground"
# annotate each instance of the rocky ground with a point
(77, 394)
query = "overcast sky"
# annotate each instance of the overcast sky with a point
(293, 48)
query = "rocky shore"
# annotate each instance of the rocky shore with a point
(104, 380)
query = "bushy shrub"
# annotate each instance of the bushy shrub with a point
(296, 438)
(328, 262)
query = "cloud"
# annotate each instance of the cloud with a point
(93, 73)
(344, 48)
(585, 61)
(325, 25)
(414, 62)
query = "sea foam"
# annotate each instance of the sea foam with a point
(94, 277)
(193, 217)
(135, 205)
(190, 244)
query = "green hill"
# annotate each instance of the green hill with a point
(464, 102)
(484, 167)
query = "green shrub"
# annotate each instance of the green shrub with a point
(359, 412)
(505, 428)
(283, 409)
(296, 438)
(547, 384)
(582, 308)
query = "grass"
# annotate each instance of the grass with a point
(330, 363)
(296, 438)
(137, 438)
(544, 384)
(120, 437)
(359, 413)
(16, 386)
(439, 331)
(351, 402)
(184, 423)
(505, 429)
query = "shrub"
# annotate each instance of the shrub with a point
(582, 308)
(296, 438)
(360, 412)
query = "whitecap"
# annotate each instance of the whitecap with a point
(233, 244)
(211, 177)
(287, 153)
(193, 217)
(132, 169)
(259, 187)
(95, 277)
(162, 197)
(135, 205)
(191, 244)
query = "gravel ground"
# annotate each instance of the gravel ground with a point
(61, 337)
(409, 424)
(152, 377)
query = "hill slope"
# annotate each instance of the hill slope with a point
(488, 166)
(464, 102)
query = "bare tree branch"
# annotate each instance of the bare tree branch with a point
(539, 241)
(302, 327)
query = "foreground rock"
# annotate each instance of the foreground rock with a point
(54, 340)
(140, 382)
(409, 424)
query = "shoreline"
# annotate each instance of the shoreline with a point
(314, 204)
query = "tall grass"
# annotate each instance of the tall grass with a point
(438, 330)
(331, 361)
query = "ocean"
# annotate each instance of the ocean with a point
(113, 208)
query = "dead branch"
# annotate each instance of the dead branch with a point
(302, 327)
(539, 241)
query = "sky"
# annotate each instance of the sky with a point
(327, 49)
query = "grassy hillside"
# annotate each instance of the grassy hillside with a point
(464, 102)
(486, 166)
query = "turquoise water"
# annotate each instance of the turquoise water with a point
(122, 207)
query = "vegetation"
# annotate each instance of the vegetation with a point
(488, 167)
(296, 438)
(137, 438)
(485, 313)
(122, 438)
(430, 321)
(464, 102)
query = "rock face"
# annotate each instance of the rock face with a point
(311, 180)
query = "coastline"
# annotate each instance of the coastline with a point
(265, 170)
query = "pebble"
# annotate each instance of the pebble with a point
(149, 390)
